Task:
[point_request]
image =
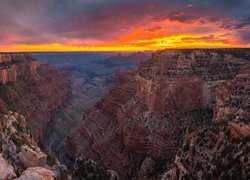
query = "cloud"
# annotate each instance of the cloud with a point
(96, 22)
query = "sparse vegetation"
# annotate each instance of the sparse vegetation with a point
(19, 142)
(51, 158)
(89, 170)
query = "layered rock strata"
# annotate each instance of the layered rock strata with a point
(31, 88)
(219, 149)
(146, 114)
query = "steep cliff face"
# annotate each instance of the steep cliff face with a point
(31, 88)
(14, 65)
(146, 114)
(220, 149)
(184, 80)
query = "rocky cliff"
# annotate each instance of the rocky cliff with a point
(19, 154)
(31, 88)
(140, 125)
(219, 149)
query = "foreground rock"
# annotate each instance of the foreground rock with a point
(32, 156)
(6, 169)
(20, 154)
(37, 173)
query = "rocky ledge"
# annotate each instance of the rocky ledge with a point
(20, 157)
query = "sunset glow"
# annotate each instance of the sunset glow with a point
(122, 26)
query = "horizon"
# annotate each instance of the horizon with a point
(126, 52)
(122, 26)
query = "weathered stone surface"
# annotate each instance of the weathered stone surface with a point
(239, 130)
(37, 173)
(31, 157)
(6, 169)
(167, 95)
(18, 145)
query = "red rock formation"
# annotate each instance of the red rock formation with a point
(14, 65)
(167, 95)
(33, 89)
(175, 81)
(140, 116)
(239, 130)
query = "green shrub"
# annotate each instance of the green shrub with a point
(51, 158)
(85, 169)
(19, 142)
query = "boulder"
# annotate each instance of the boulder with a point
(6, 169)
(31, 157)
(37, 173)
(239, 130)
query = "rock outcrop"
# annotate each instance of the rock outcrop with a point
(20, 154)
(31, 88)
(14, 65)
(150, 109)
(6, 169)
(219, 149)
(37, 173)
(31, 157)
(163, 80)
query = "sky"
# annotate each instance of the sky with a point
(122, 25)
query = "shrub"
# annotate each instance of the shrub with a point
(19, 142)
(51, 158)
(85, 169)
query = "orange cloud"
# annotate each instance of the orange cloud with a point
(153, 35)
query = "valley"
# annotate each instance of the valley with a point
(180, 114)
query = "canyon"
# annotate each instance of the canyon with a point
(182, 114)
(33, 89)
(150, 110)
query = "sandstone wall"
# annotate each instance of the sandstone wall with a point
(12, 71)
(33, 89)
(173, 95)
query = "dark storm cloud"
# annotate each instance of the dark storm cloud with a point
(41, 21)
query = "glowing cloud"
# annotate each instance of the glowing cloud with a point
(116, 25)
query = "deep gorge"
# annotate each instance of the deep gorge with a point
(146, 119)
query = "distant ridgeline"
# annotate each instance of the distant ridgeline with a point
(14, 57)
